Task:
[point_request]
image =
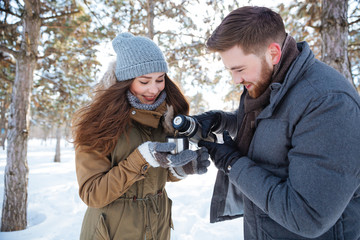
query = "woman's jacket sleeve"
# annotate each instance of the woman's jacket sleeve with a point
(99, 184)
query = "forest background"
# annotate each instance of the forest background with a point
(52, 53)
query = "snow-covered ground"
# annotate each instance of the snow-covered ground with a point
(55, 210)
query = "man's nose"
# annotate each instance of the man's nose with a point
(238, 80)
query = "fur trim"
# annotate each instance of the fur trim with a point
(177, 175)
(167, 120)
(108, 79)
(146, 153)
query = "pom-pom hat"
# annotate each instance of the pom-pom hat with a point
(137, 56)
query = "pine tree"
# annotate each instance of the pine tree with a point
(16, 172)
(334, 35)
(354, 40)
(318, 22)
(65, 77)
(22, 28)
(7, 75)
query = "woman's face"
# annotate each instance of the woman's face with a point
(148, 87)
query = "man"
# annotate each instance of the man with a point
(293, 168)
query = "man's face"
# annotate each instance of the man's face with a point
(252, 71)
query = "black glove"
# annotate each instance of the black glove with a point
(209, 121)
(223, 155)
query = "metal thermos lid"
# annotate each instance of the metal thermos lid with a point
(181, 123)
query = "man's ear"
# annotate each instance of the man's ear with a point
(274, 50)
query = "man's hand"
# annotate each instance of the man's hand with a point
(209, 122)
(223, 155)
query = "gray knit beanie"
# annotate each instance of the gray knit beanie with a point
(137, 56)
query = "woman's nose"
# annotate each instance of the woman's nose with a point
(153, 89)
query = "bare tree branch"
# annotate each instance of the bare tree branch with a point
(9, 12)
(45, 55)
(2, 76)
(356, 21)
(7, 50)
(60, 16)
(92, 12)
(11, 26)
(55, 26)
(58, 87)
(48, 79)
(186, 58)
(176, 34)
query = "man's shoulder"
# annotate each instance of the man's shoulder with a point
(319, 82)
(323, 79)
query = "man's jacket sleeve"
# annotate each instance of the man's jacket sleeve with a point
(324, 172)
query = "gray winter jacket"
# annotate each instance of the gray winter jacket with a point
(301, 178)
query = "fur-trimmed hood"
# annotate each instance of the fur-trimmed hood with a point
(108, 79)
(167, 120)
(164, 114)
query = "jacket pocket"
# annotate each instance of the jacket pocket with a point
(271, 230)
(101, 231)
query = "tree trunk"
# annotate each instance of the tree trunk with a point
(14, 211)
(334, 35)
(58, 141)
(150, 18)
(3, 122)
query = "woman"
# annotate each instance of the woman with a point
(122, 162)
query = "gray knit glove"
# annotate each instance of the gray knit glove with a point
(197, 166)
(158, 154)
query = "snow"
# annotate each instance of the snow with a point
(55, 211)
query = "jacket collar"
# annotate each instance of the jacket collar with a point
(294, 73)
(146, 117)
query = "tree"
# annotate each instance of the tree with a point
(303, 22)
(7, 75)
(334, 35)
(354, 40)
(16, 172)
(323, 24)
(64, 79)
(22, 24)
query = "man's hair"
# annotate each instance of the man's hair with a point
(251, 28)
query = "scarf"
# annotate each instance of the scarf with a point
(136, 103)
(254, 106)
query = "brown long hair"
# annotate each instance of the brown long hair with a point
(251, 28)
(98, 125)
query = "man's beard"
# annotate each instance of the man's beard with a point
(264, 81)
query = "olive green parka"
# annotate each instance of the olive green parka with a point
(126, 197)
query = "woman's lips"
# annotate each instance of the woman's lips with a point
(150, 99)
